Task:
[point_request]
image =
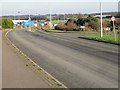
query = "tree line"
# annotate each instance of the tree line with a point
(91, 24)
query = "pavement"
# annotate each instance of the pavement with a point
(75, 62)
(15, 73)
(0, 59)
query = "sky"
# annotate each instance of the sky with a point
(59, 0)
(36, 7)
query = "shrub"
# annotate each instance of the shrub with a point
(94, 25)
(88, 29)
(7, 23)
(61, 27)
(72, 27)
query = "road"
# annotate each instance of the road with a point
(14, 70)
(73, 61)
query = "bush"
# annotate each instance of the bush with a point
(7, 23)
(72, 27)
(94, 25)
(118, 22)
(106, 23)
(88, 29)
(61, 27)
(68, 27)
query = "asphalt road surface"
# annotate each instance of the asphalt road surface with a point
(75, 62)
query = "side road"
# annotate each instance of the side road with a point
(15, 73)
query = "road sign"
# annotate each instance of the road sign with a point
(113, 18)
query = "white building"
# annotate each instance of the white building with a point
(18, 21)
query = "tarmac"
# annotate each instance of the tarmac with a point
(15, 73)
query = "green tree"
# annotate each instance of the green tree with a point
(82, 21)
(7, 23)
(91, 18)
(71, 21)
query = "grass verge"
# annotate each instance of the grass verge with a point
(56, 31)
(106, 37)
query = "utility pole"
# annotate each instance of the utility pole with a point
(50, 23)
(101, 19)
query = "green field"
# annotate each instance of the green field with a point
(58, 21)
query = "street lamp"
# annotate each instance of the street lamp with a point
(58, 18)
(101, 19)
(29, 20)
(64, 17)
(113, 20)
(19, 14)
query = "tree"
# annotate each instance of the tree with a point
(71, 21)
(82, 21)
(90, 19)
(7, 23)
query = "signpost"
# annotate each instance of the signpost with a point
(113, 20)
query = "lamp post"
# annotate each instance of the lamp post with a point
(58, 18)
(19, 14)
(113, 20)
(101, 19)
(29, 20)
(50, 23)
(64, 17)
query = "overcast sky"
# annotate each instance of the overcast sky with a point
(56, 6)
